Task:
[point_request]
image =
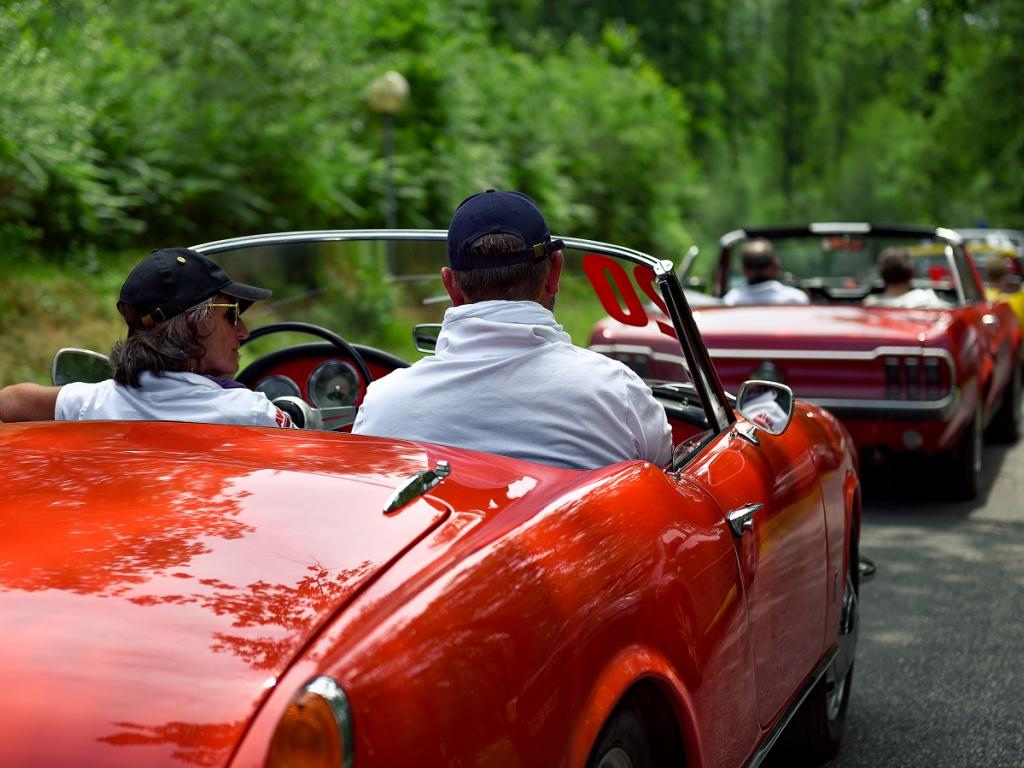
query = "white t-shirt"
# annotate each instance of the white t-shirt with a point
(916, 298)
(506, 379)
(766, 292)
(171, 396)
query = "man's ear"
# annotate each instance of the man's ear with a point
(550, 286)
(454, 292)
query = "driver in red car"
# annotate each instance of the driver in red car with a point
(505, 377)
(184, 322)
(762, 268)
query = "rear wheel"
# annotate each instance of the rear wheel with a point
(1005, 427)
(624, 743)
(963, 462)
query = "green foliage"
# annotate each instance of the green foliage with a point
(127, 125)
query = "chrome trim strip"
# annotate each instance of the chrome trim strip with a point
(439, 235)
(329, 690)
(812, 354)
(773, 736)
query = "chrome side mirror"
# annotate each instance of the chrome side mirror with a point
(767, 405)
(424, 336)
(70, 364)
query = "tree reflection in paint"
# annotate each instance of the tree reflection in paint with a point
(195, 744)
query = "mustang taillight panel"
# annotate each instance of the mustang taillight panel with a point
(917, 378)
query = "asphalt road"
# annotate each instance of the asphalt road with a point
(938, 678)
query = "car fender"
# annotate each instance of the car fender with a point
(619, 675)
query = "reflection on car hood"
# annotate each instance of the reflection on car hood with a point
(157, 578)
(818, 327)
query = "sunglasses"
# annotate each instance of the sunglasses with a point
(232, 314)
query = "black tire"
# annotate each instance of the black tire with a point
(624, 742)
(1005, 427)
(963, 461)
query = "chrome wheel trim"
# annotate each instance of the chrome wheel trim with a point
(615, 758)
(836, 689)
(838, 673)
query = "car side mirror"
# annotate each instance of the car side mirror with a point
(424, 336)
(767, 405)
(70, 365)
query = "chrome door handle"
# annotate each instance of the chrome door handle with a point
(741, 519)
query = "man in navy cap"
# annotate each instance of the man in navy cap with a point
(184, 322)
(505, 378)
(761, 267)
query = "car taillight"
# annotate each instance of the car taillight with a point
(934, 386)
(893, 376)
(916, 378)
(316, 729)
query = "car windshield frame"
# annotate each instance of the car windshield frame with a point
(830, 238)
(714, 401)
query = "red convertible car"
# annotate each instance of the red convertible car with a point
(923, 381)
(181, 593)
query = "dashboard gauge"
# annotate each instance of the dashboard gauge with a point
(276, 386)
(333, 383)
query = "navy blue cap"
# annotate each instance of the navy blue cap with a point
(495, 212)
(171, 280)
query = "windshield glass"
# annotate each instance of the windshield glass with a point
(845, 267)
(374, 291)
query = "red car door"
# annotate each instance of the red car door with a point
(782, 551)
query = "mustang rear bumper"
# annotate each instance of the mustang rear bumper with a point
(891, 410)
(901, 426)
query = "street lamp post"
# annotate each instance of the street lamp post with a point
(386, 95)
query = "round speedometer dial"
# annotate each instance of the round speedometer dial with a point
(333, 383)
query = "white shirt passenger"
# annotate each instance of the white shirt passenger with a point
(506, 379)
(766, 292)
(916, 298)
(171, 396)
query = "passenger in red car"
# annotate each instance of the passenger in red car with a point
(761, 268)
(183, 315)
(505, 377)
(896, 267)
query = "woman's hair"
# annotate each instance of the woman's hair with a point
(173, 345)
(516, 282)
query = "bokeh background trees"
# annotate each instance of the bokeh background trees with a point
(657, 123)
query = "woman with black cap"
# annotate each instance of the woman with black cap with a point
(184, 322)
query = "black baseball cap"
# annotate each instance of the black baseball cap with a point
(496, 212)
(171, 280)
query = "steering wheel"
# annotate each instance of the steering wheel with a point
(312, 330)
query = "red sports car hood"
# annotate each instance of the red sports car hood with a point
(817, 327)
(156, 578)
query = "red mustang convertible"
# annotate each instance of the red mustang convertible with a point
(903, 380)
(180, 593)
